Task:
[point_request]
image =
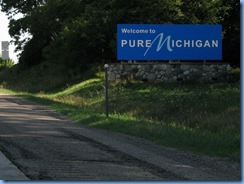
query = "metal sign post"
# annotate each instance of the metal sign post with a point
(106, 78)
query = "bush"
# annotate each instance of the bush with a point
(236, 73)
(6, 63)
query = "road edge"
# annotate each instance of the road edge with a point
(9, 171)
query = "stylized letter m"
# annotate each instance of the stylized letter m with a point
(161, 42)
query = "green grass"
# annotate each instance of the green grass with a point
(203, 118)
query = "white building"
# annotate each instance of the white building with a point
(5, 50)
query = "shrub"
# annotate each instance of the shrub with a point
(236, 74)
(6, 63)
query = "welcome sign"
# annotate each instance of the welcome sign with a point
(169, 42)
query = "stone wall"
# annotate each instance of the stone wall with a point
(169, 72)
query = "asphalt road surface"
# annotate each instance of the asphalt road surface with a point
(45, 145)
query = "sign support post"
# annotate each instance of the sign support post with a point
(106, 86)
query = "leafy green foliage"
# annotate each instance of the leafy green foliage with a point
(77, 32)
(231, 24)
(13, 7)
(6, 64)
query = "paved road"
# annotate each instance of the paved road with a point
(45, 145)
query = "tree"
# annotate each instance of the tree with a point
(13, 7)
(79, 32)
(225, 12)
(231, 24)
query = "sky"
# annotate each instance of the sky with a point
(4, 36)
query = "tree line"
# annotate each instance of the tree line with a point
(79, 32)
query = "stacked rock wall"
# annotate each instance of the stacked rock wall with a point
(169, 72)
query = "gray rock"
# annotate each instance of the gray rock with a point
(185, 67)
(159, 76)
(151, 77)
(186, 73)
(111, 76)
(164, 67)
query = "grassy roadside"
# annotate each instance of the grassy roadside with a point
(203, 118)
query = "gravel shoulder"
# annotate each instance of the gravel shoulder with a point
(46, 145)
